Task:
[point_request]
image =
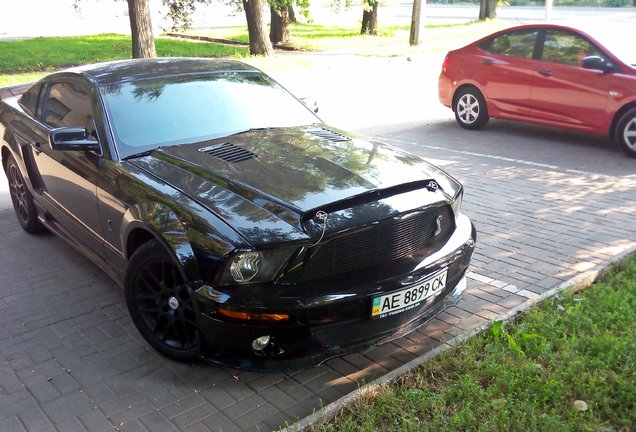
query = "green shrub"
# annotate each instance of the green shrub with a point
(616, 3)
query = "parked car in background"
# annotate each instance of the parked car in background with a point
(241, 227)
(545, 74)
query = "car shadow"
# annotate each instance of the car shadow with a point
(553, 134)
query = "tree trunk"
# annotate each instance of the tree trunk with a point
(143, 40)
(487, 9)
(370, 19)
(416, 22)
(279, 26)
(259, 42)
(492, 9)
(292, 14)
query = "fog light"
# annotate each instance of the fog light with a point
(259, 344)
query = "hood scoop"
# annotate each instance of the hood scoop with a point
(229, 152)
(328, 135)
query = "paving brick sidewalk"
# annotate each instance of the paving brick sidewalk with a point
(71, 360)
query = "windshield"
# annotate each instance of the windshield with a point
(148, 114)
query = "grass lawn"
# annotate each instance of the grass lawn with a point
(28, 60)
(42, 53)
(527, 376)
(392, 40)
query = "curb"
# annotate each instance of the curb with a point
(575, 284)
(278, 46)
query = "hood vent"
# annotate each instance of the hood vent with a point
(328, 135)
(229, 152)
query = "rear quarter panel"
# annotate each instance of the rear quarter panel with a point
(503, 80)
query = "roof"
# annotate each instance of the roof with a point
(138, 69)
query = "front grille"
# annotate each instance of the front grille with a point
(379, 243)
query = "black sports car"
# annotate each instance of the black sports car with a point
(241, 228)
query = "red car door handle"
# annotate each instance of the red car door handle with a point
(487, 61)
(545, 72)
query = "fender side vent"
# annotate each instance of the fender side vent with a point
(229, 152)
(328, 135)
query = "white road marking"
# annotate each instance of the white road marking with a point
(495, 157)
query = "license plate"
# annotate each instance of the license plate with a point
(410, 297)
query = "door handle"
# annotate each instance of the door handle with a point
(487, 61)
(545, 72)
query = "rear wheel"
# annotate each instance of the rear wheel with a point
(470, 108)
(626, 132)
(22, 200)
(160, 303)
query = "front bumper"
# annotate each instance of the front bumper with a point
(333, 318)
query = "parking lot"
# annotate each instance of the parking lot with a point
(549, 207)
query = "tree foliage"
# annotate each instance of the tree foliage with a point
(180, 12)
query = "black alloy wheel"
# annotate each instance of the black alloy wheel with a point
(160, 303)
(626, 132)
(22, 200)
(470, 108)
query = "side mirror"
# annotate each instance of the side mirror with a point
(597, 63)
(73, 139)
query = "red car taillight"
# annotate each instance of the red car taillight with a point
(446, 63)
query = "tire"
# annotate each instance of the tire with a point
(626, 132)
(470, 109)
(22, 199)
(161, 304)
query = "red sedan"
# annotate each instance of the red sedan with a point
(545, 74)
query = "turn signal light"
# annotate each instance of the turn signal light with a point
(251, 316)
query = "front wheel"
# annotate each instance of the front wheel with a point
(160, 303)
(470, 109)
(626, 132)
(22, 200)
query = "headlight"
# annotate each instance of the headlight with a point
(457, 202)
(245, 266)
(254, 266)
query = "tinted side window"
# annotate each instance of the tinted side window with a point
(29, 100)
(68, 105)
(515, 44)
(566, 47)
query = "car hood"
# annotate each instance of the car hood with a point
(269, 184)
